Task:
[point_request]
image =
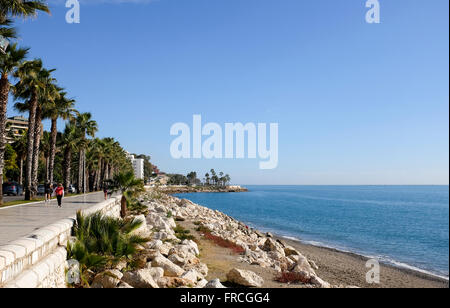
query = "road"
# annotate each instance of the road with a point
(21, 220)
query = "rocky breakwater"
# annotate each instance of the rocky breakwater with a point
(167, 261)
(175, 189)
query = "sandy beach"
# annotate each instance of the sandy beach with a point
(339, 267)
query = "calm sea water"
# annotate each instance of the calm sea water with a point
(403, 225)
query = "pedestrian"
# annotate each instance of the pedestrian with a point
(59, 192)
(105, 191)
(48, 192)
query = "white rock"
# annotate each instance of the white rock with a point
(170, 268)
(245, 278)
(140, 279)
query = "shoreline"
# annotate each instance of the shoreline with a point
(316, 251)
(353, 267)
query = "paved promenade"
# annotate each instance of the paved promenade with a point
(21, 220)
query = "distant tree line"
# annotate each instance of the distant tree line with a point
(211, 179)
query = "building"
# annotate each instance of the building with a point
(15, 127)
(138, 165)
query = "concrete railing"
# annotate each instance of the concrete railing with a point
(39, 259)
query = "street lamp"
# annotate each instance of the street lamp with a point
(3, 44)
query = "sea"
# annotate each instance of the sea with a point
(405, 226)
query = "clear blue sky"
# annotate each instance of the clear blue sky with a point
(356, 103)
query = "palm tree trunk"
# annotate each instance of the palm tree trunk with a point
(4, 95)
(46, 168)
(80, 171)
(21, 171)
(53, 135)
(67, 167)
(84, 171)
(30, 139)
(37, 142)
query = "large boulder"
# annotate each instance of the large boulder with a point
(170, 268)
(107, 279)
(140, 279)
(245, 278)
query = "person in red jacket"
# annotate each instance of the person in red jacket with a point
(59, 192)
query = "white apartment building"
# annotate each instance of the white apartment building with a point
(138, 167)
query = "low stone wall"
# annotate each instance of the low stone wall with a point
(39, 259)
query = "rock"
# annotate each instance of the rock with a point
(290, 251)
(214, 284)
(319, 282)
(170, 268)
(124, 285)
(202, 283)
(193, 245)
(121, 265)
(313, 265)
(140, 279)
(304, 266)
(174, 282)
(107, 279)
(142, 230)
(259, 234)
(270, 245)
(165, 248)
(155, 272)
(245, 278)
(155, 244)
(192, 275)
(268, 234)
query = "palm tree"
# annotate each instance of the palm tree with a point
(44, 148)
(61, 107)
(129, 187)
(17, 8)
(87, 127)
(20, 146)
(9, 62)
(33, 79)
(69, 143)
(21, 8)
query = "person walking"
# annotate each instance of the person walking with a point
(59, 192)
(105, 191)
(48, 192)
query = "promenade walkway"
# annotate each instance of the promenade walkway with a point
(21, 220)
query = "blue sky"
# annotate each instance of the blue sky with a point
(356, 103)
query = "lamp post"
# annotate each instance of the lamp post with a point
(3, 44)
